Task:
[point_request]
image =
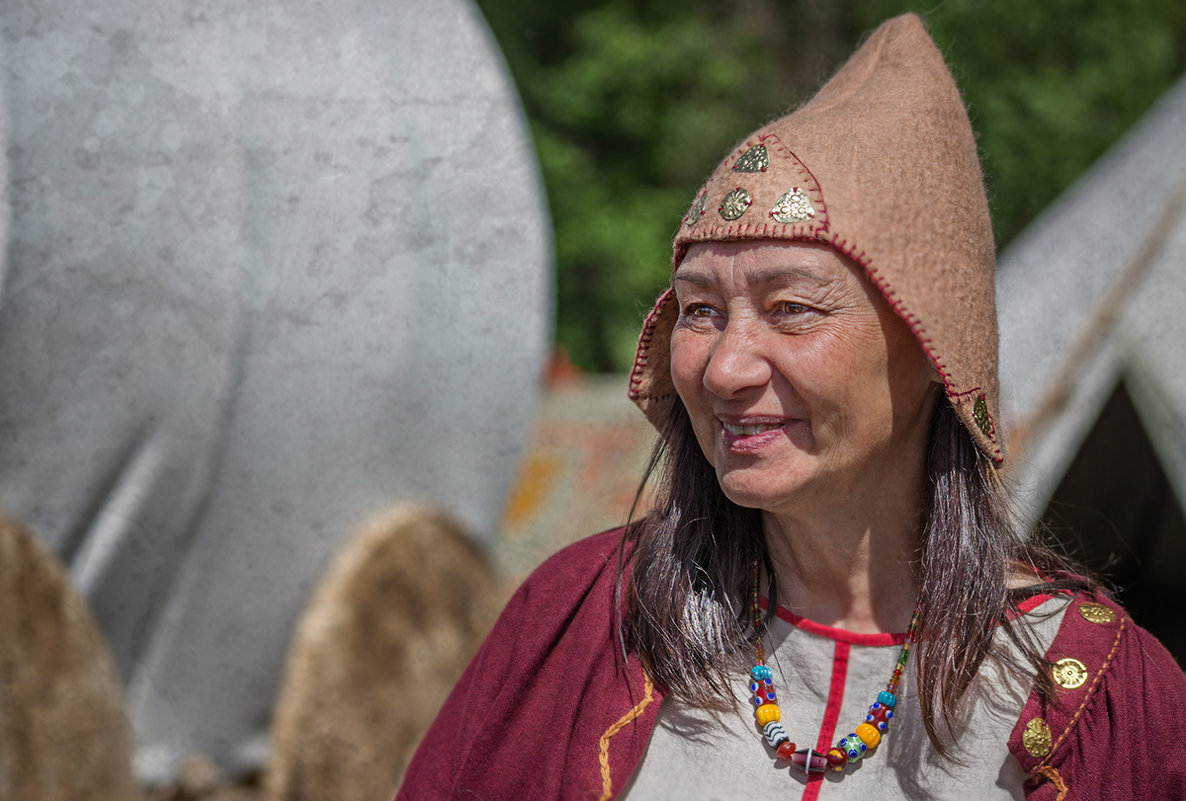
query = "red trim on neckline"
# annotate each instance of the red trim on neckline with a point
(884, 638)
(832, 633)
(1030, 604)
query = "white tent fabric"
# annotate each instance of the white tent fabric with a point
(272, 266)
(1093, 293)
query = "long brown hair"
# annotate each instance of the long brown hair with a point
(690, 574)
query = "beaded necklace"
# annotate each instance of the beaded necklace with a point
(851, 748)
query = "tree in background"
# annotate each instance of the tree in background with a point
(633, 103)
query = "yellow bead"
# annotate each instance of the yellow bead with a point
(767, 713)
(869, 734)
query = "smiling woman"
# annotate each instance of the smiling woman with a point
(802, 385)
(830, 545)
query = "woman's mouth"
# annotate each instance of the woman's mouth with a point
(751, 435)
(738, 430)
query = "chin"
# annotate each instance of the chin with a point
(752, 492)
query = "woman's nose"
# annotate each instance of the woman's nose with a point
(737, 362)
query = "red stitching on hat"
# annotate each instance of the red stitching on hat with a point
(896, 304)
(917, 328)
(644, 341)
(816, 191)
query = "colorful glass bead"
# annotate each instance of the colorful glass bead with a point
(809, 760)
(775, 734)
(879, 716)
(853, 747)
(763, 691)
(869, 734)
(767, 713)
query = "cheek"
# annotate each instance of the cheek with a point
(688, 359)
(846, 384)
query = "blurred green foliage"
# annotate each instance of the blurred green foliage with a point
(632, 104)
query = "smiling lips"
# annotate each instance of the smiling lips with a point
(752, 435)
(738, 430)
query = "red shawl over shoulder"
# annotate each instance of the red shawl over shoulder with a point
(549, 708)
(548, 700)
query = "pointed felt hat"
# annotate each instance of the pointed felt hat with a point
(881, 164)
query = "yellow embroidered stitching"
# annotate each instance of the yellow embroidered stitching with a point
(1090, 691)
(603, 746)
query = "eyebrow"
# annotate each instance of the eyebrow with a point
(760, 277)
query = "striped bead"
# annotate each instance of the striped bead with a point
(810, 761)
(775, 734)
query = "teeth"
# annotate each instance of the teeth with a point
(748, 431)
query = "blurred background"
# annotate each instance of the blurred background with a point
(631, 105)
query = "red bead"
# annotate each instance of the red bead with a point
(837, 759)
(810, 761)
(786, 750)
(879, 716)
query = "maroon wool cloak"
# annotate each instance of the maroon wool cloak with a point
(550, 709)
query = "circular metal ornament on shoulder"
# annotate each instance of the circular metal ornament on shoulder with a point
(1069, 673)
(1096, 613)
(1037, 738)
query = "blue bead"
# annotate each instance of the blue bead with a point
(762, 672)
(853, 746)
(887, 698)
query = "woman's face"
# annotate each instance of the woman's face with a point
(800, 381)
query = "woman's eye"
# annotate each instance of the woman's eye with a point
(790, 307)
(697, 310)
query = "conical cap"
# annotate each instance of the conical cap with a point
(881, 164)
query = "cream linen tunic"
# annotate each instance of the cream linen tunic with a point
(825, 679)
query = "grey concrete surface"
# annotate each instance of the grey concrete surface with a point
(271, 267)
